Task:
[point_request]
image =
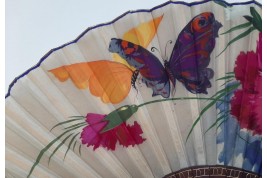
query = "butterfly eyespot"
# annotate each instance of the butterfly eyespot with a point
(201, 22)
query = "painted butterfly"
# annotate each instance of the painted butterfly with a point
(188, 62)
(111, 81)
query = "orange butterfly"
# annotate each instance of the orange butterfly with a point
(109, 80)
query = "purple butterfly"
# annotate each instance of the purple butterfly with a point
(188, 62)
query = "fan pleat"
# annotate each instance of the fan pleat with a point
(39, 101)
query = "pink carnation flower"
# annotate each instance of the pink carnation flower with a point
(246, 104)
(124, 134)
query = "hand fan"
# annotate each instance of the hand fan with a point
(173, 91)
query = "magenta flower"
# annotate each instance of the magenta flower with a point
(93, 135)
(246, 104)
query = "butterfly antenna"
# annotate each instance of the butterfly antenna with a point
(168, 42)
(153, 49)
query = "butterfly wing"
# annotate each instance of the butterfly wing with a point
(111, 81)
(153, 73)
(142, 35)
(191, 53)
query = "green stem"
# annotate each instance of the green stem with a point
(46, 148)
(68, 121)
(78, 124)
(71, 141)
(175, 99)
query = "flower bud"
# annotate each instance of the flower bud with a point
(118, 116)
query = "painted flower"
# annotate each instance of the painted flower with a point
(246, 104)
(93, 135)
(236, 141)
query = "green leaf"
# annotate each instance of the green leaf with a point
(215, 123)
(45, 149)
(221, 112)
(218, 95)
(226, 77)
(78, 124)
(55, 150)
(74, 145)
(227, 81)
(257, 21)
(229, 73)
(65, 122)
(203, 111)
(222, 123)
(80, 152)
(238, 37)
(227, 89)
(248, 18)
(242, 138)
(77, 117)
(238, 27)
(71, 141)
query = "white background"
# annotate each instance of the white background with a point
(33, 27)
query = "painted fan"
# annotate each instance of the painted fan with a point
(174, 91)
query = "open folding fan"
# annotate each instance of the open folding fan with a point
(173, 91)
